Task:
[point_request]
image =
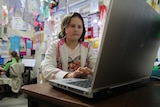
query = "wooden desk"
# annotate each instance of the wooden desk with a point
(43, 95)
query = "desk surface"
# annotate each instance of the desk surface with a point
(145, 96)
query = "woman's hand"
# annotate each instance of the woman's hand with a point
(1, 73)
(86, 71)
(80, 72)
(1, 69)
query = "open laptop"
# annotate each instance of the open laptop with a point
(29, 62)
(127, 52)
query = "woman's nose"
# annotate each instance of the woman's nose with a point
(76, 28)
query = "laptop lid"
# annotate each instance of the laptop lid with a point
(129, 44)
(128, 48)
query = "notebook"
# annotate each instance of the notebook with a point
(127, 52)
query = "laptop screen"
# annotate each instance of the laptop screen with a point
(129, 43)
(29, 62)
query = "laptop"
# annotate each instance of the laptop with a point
(127, 52)
(29, 62)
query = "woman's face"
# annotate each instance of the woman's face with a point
(74, 30)
(10, 56)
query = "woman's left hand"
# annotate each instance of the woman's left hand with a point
(81, 72)
(86, 71)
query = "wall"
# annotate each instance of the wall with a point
(27, 34)
(38, 56)
(106, 2)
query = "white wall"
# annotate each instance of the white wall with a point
(106, 2)
(27, 34)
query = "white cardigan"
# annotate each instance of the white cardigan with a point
(49, 64)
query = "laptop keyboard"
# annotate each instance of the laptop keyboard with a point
(84, 84)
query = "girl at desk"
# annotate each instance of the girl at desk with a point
(14, 59)
(69, 56)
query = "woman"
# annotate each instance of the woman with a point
(14, 59)
(69, 56)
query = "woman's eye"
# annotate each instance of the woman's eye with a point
(73, 26)
(79, 27)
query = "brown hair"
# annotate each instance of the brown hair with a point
(65, 22)
(15, 55)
